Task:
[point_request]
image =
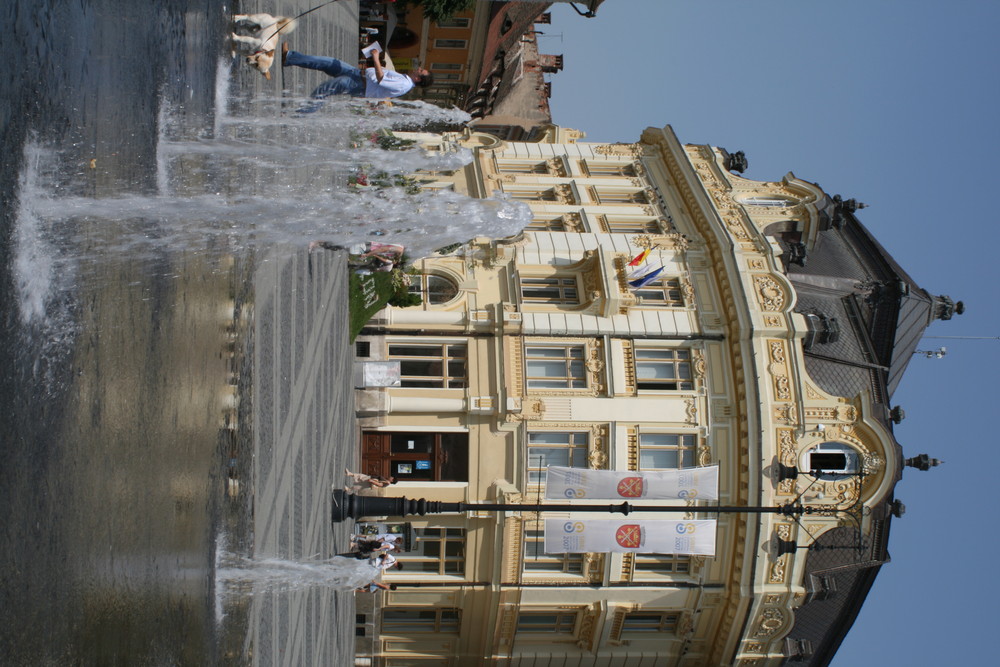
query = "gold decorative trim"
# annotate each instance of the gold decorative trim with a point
(632, 445)
(593, 567)
(628, 566)
(677, 161)
(512, 565)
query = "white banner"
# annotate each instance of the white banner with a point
(701, 483)
(663, 536)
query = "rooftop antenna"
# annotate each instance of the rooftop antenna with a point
(933, 354)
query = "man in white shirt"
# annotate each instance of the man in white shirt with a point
(375, 82)
(385, 560)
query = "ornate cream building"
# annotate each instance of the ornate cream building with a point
(534, 350)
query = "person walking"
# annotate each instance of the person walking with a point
(375, 82)
(360, 481)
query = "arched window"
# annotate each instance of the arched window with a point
(433, 289)
(832, 460)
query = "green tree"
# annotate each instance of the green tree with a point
(442, 10)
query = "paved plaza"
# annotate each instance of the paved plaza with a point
(303, 410)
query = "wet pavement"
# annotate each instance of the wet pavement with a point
(161, 399)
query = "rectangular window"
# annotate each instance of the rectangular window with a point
(555, 367)
(550, 290)
(562, 624)
(608, 195)
(434, 366)
(631, 225)
(532, 195)
(642, 622)
(523, 166)
(661, 292)
(594, 168)
(436, 551)
(555, 448)
(656, 566)
(556, 224)
(404, 621)
(659, 451)
(663, 369)
(453, 23)
(450, 43)
(536, 561)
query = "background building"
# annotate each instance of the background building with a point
(769, 343)
(485, 60)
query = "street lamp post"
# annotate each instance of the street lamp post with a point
(349, 506)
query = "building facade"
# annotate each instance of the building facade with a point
(535, 350)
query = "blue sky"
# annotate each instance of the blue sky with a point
(894, 103)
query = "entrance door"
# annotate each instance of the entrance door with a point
(431, 457)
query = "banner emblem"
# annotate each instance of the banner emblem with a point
(629, 536)
(630, 487)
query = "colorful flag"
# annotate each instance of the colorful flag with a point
(638, 259)
(701, 483)
(624, 535)
(646, 279)
(641, 271)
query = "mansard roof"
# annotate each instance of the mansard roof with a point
(881, 315)
(882, 312)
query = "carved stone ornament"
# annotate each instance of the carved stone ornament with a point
(685, 624)
(786, 447)
(632, 150)
(564, 193)
(593, 567)
(587, 625)
(770, 294)
(531, 410)
(687, 289)
(572, 222)
(769, 622)
(642, 241)
(704, 455)
(777, 571)
(698, 365)
(690, 410)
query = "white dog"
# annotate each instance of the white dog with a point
(264, 41)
